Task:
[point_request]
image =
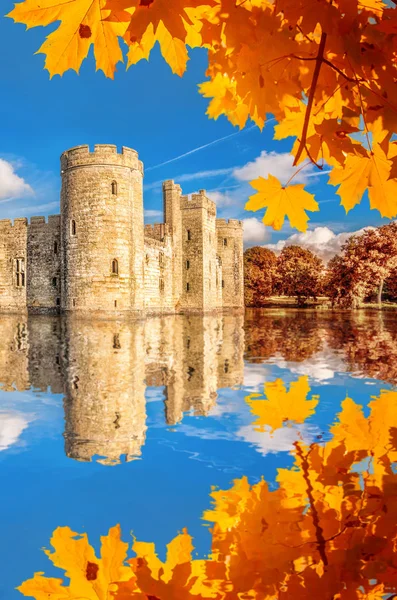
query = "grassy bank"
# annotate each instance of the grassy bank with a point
(322, 303)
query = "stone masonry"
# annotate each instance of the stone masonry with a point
(98, 257)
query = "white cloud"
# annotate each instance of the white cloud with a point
(278, 164)
(321, 241)
(221, 199)
(255, 232)
(255, 375)
(153, 213)
(322, 367)
(11, 184)
(11, 427)
(278, 440)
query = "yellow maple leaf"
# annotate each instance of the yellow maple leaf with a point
(281, 201)
(82, 25)
(361, 172)
(281, 405)
(89, 576)
(225, 100)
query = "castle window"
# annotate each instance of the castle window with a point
(147, 259)
(223, 283)
(116, 341)
(115, 266)
(161, 259)
(74, 301)
(188, 264)
(58, 301)
(225, 241)
(188, 287)
(188, 342)
(115, 304)
(114, 188)
(189, 234)
(54, 281)
(20, 272)
(55, 247)
(161, 285)
(73, 227)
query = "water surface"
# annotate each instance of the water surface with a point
(105, 422)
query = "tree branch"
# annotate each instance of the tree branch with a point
(313, 86)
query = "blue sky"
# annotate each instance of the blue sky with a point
(147, 108)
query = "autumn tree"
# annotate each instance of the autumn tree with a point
(391, 286)
(259, 271)
(299, 274)
(366, 262)
(325, 69)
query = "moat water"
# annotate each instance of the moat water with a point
(105, 422)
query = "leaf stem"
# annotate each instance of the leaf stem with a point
(313, 86)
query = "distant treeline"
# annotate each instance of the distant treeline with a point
(364, 271)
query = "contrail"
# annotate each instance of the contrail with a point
(226, 137)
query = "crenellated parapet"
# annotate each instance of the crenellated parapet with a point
(52, 221)
(6, 224)
(157, 231)
(229, 224)
(107, 154)
(198, 200)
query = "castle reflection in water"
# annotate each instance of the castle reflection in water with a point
(104, 367)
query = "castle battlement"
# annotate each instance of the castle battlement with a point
(98, 257)
(103, 154)
(50, 221)
(170, 184)
(19, 222)
(157, 231)
(229, 224)
(198, 200)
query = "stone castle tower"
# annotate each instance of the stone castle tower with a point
(98, 257)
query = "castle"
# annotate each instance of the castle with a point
(97, 256)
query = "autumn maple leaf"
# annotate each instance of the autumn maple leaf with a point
(90, 577)
(369, 171)
(280, 405)
(82, 25)
(169, 22)
(281, 201)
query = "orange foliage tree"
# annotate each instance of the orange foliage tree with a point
(259, 273)
(299, 273)
(326, 70)
(328, 531)
(365, 263)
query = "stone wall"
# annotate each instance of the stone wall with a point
(102, 222)
(13, 247)
(44, 264)
(230, 251)
(199, 246)
(158, 275)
